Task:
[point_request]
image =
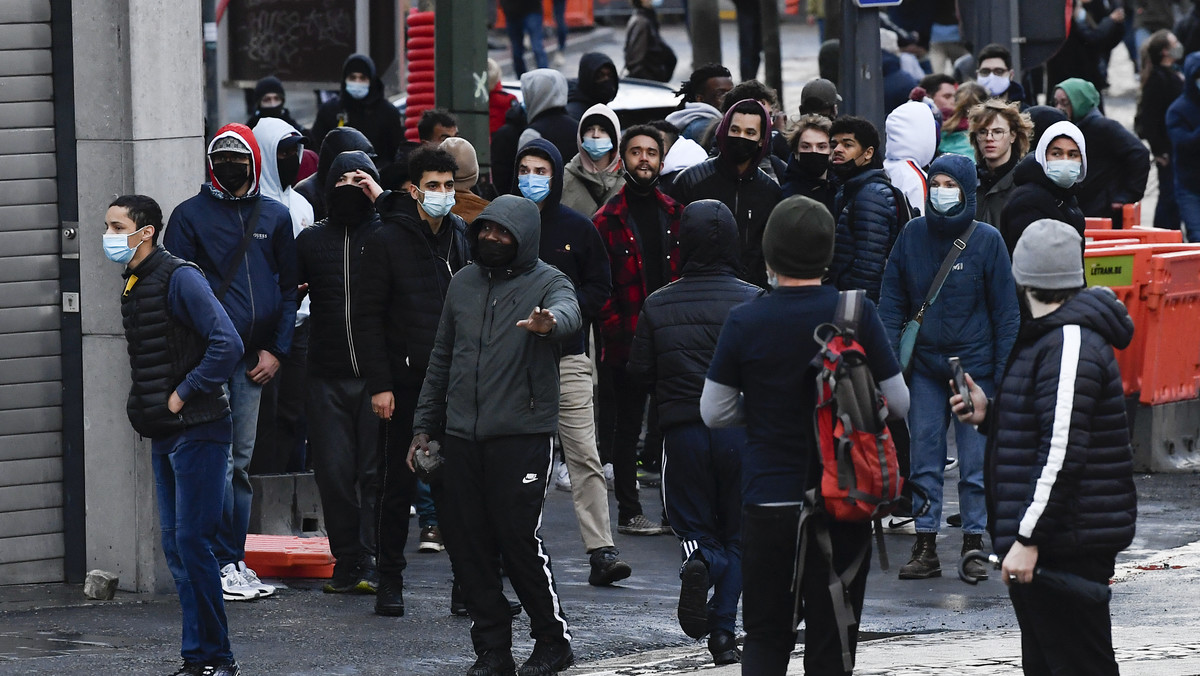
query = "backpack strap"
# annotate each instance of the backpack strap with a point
(849, 311)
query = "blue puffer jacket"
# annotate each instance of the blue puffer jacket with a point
(861, 247)
(1059, 462)
(975, 316)
(1183, 126)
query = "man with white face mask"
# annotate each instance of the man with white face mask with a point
(1046, 184)
(361, 104)
(995, 73)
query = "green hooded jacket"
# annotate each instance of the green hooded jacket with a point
(1082, 94)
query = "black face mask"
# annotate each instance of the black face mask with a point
(231, 175)
(639, 187)
(845, 169)
(270, 111)
(605, 91)
(348, 205)
(811, 165)
(289, 168)
(493, 254)
(741, 149)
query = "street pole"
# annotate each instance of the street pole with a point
(706, 32)
(861, 64)
(212, 114)
(460, 70)
(771, 49)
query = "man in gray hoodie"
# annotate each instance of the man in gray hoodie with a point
(491, 393)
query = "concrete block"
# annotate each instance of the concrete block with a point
(100, 585)
(1166, 437)
(271, 510)
(310, 517)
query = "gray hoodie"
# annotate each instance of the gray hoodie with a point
(487, 377)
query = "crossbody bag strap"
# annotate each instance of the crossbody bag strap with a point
(243, 247)
(960, 245)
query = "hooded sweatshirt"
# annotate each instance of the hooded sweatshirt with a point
(545, 94)
(677, 331)
(1119, 162)
(1035, 196)
(269, 132)
(372, 115)
(1183, 127)
(912, 139)
(695, 119)
(588, 185)
(336, 142)
(584, 92)
(487, 377)
(975, 315)
(750, 196)
(208, 229)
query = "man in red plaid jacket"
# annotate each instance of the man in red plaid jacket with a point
(640, 229)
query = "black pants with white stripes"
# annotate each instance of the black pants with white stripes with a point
(1061, 635)
(494, 494)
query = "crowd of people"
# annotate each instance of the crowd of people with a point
(632, 308)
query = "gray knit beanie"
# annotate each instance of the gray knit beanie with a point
(1049, 256)
(798, 239)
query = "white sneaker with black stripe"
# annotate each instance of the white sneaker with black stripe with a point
(234, 586)
(562, 477)
(251, 578)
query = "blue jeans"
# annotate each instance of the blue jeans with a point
(517, 27)
(1188, 201)
(928, 418)
(426, 511)
(244, 397)
(190, 482)
(560, 23)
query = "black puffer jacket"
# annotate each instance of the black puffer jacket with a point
(1059, 461)
(406, 272)
(329, 257)
(337, 141)
(1036, 197)
(679, 324)
(373, 115)
(867, 226)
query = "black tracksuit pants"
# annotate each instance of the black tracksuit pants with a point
(768, 603)
(1061, 635)
(397, 485)
(494, 494)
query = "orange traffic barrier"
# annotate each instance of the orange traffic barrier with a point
(579, 14)
(1131, 214)
(1097, 223)
(1172, 302)
(1143, 235)
(289, 556)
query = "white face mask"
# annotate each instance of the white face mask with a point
(944, 199)
(996, 85)
(436, 204)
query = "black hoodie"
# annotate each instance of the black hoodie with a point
(373, 115)
(678, 327)
(1036, 197)
(583, 92)
(338, 141)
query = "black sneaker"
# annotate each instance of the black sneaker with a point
(190, 669)
(607, 568)
(723, 648)
(231, 669)
(494, 662)
(345, 578)
(640, 525)
(368, 577)
(389, 598)
(548, 658)
(693, 598)
(458, 607)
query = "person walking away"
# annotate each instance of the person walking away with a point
(524, 17)
(808, 168)
(243, 242)
(760, 377)
(594, 175)
(750, 39)
(1183, 128)
(1000, 135)
(497, 447)
(1060, 469)
(912, 139)
(597, 83)
(1162, 83)
(1046, 184)
(672, 348)
(973, 316)
(361, 104)
(171, 320)
(647, 55)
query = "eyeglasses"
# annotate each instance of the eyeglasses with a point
(991, 133)
(984, 72)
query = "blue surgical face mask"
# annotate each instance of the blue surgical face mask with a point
(358, 90)
(996, 85)
(943, 200)
(116, 247)
(436, 204)
(597, 148)
(534, 187)
(772, 279)
(1064, 173)
(656, 3)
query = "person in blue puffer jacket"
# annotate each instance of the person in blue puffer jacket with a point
(1183, 128)
(975, 317)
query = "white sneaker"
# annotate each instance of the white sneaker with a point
(608, 475)
(562, 477)
(951, 464)
(557, 60)
(900, 525)
(251, 578)
(234, 587)
(412, 511)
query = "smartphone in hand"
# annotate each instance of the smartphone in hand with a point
(960, 384)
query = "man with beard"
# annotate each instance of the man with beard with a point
(733, 177)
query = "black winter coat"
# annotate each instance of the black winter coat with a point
(867, 226)
(679, 324)
(1059, 471)
(406, 271)
(374, 115)
(504, 150)
(330, 260)
(582, 93)
(1117, 167)
(338, 141)
(1159, 91)
(1036, 197)
(1080, 55)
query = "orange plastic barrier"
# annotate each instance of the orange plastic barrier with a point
(419, 54)
(1143, 235)
(1172, 301)
(289, 556)
(1131, 214)
(579, 14)
(1097, 223)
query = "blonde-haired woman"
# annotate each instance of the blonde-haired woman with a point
(955, 129)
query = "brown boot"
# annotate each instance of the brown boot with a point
(975, 569)
(924, 563)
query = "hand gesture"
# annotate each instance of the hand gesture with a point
(420, 443)
(978, 398)
(541, 322)
(363, 180)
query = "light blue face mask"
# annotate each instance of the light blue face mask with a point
(534, 187)
(597, 148)
(943, 200)
(116, 247)
(358, 90)
(1064, 173)
(437, 204)
(656, 3)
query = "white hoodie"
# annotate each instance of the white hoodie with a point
(269, 132)
(912, 138)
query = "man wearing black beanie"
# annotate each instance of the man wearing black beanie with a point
(760, 378)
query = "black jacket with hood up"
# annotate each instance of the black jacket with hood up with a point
(583, 92)
(750, 196)
(337, 141)
(374, 115)
(1036, 197)
(678, 327)
(570, 242)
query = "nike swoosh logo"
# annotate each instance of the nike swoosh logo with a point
(529, 478)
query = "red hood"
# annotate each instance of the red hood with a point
(246, 136)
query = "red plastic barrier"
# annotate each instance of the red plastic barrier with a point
(1098, 223)
(579, 14)
(289, 556)
(1171, 370)
(420, 55)
(1131, 214)
(1144, 235)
